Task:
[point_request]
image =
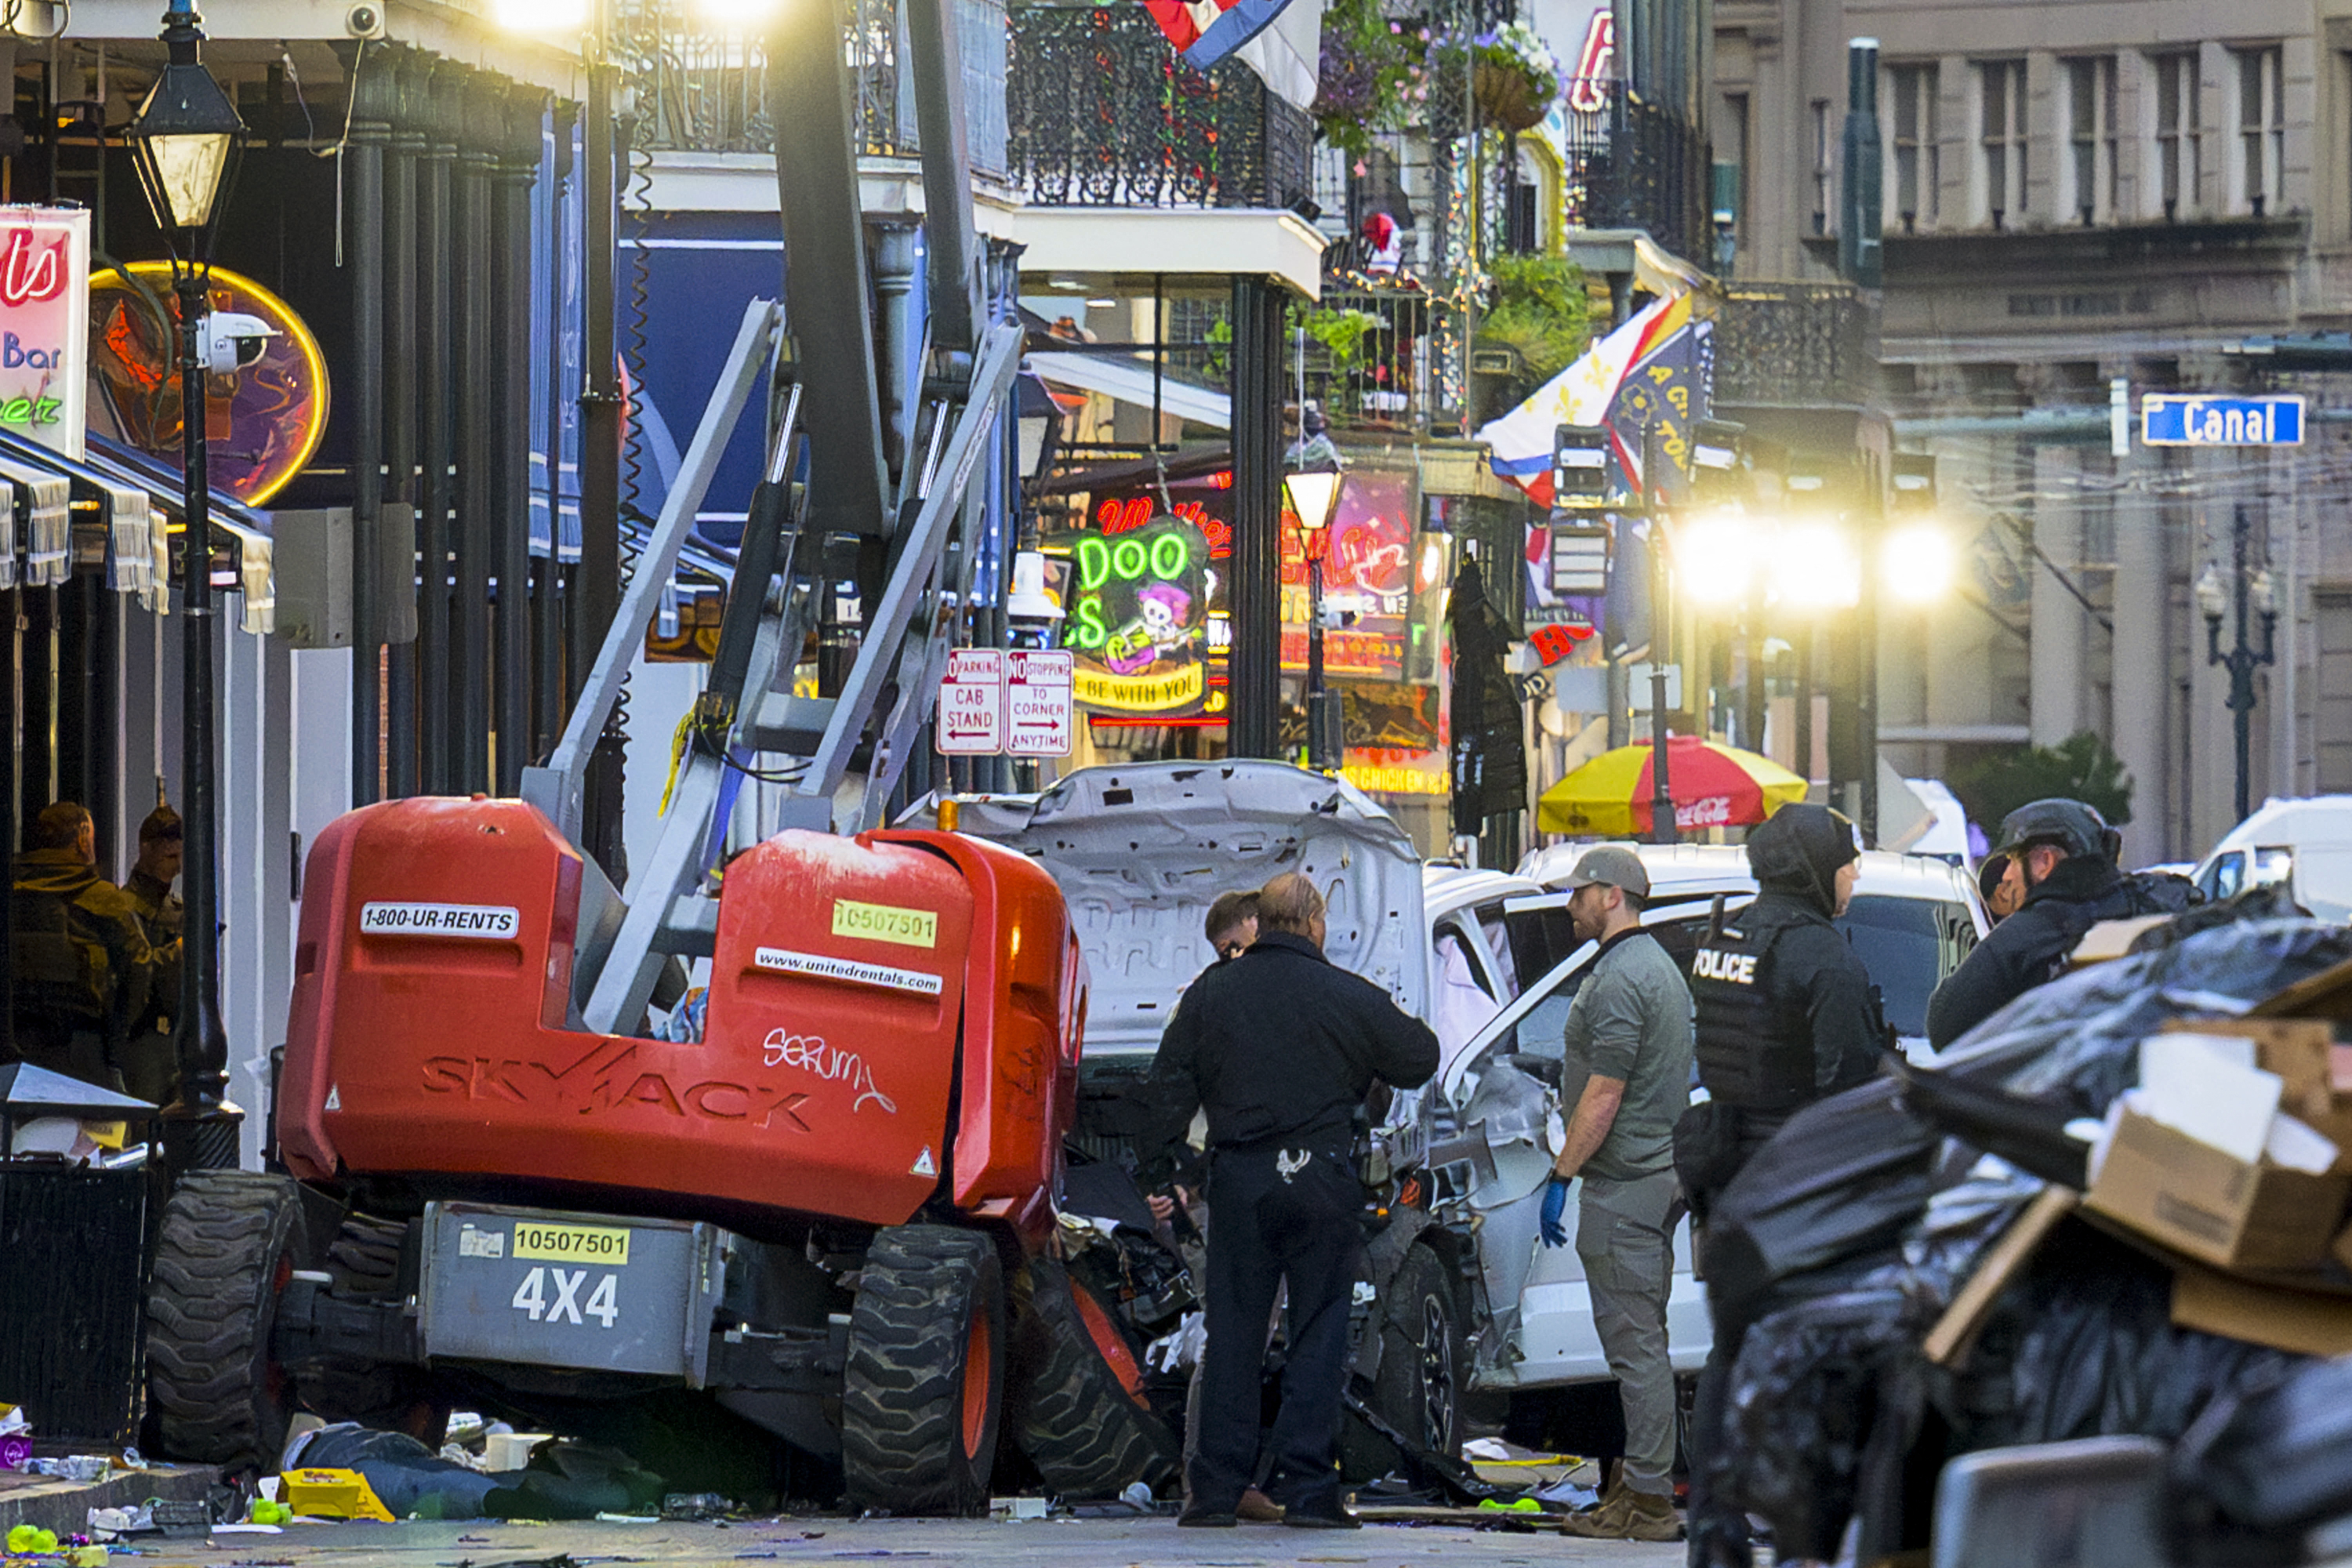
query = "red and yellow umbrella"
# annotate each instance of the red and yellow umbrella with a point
(1712, 786)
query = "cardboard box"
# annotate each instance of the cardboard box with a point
(2302, 1051)
(2306, 1322)
(2200, 1201)
(2110, 939)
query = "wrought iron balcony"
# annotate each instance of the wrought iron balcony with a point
(699, 92)
(1370, 357)
(1634, 165)
(1103, 113)
(1792, 344)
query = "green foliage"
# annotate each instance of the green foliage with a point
(1364, 74)
(1220, 338)
(1542, 309)
(2081, 767)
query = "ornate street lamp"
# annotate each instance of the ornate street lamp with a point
(185, 143)
(1314, 496)
(2253, 593)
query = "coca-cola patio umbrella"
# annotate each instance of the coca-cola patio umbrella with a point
(1714, 786)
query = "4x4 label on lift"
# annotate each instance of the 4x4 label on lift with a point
(885, 922)
(493, 921)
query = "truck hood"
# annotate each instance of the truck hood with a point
(1141, 851)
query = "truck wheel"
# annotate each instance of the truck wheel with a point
(1083, 1417)
(364, 1260)
(1419, 1387)
(924, 1389)
(229, 1242)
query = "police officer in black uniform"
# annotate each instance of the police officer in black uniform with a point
(2065, 853)
(1279, 1048)
(1786, 1017)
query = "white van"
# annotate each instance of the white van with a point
(2305, 844)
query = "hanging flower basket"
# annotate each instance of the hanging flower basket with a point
(1507, 95)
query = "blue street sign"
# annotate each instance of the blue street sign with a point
(2177, 419)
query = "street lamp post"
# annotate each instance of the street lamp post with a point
(185, 143)
(1663, 828)
(1314, 496)
(2253, 592)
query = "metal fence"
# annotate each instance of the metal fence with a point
(1631, 165)
(1791, 344)
(1378, 374)
(699, 92)
(1103, 113)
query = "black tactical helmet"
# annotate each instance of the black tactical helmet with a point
(2070, 825)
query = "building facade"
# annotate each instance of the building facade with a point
(2078, 195)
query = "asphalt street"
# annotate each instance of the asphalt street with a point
(1035, 1544)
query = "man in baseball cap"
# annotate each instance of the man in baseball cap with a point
(2065, 853)
(1628, 1043)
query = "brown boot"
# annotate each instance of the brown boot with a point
(1257, 1508)
(1628, 1516)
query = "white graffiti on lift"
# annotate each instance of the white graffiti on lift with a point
(811, 1054)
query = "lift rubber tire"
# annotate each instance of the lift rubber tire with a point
(1083, 1417)
(364, 1261)
(228, 1243)
(923, 1394)
(1419, 1387)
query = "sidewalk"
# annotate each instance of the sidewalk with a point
(64, 1506)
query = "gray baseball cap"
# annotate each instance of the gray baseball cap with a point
(1610, 866)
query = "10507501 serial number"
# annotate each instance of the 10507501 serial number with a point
(571, 1243)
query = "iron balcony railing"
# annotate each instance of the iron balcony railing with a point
(1103, 113)
(1793, 343)
(699, 92)
(1633, 164)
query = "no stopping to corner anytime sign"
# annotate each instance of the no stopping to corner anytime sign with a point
(2179, 419)
(994, 702)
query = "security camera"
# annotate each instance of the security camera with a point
(364, 22)
(233, 342)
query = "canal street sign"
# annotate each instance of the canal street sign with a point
(2177, 419)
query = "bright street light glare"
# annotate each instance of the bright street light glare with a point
(543, 17)
(1916, 563)
(742, 13)
(1715, 556)
(1813, 567)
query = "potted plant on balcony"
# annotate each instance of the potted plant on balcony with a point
(1365, 75)
(1541, 313)
(1513, 77)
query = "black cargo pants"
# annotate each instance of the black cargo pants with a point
(1277, 1215)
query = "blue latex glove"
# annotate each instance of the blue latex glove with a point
(1555, 1204)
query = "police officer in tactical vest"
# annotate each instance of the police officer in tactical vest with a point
(1786, 1017)
(83, 966)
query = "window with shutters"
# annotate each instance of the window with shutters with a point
(2000, 141)
(1824, 165)
(2091, 139)
(1911, 145)
(2260, 121)
(2171, 187)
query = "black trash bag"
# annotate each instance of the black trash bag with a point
(1844, 1178)
(2083, 1345)
(2273, 1458)
(2074, 1042)
(409, 1478)
(577, 1480)
(2027, 1133)
(1799, 1415)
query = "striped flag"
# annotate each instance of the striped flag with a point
(1205, 31)
(1520, 444)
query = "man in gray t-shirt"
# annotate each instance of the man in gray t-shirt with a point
(1629, 1033)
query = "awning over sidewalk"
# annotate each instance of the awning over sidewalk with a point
(1132, 383)
(137, 503)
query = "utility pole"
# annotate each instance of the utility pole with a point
(1663, 829)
